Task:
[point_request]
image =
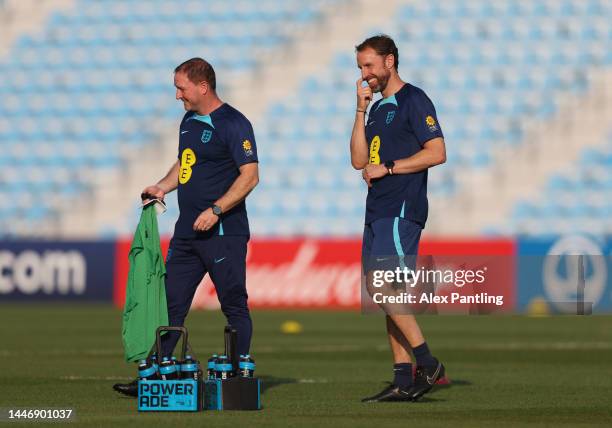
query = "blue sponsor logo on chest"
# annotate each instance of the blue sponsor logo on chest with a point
(390, 116)
(206, 136)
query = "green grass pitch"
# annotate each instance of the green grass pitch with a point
(506, 370)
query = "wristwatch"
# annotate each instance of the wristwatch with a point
(217, 210)
(389, 165)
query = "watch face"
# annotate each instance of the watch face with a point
(216, 210)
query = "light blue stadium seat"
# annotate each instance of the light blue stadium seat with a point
(504, 62)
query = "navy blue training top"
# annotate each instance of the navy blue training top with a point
(211, 149)
(397, 128)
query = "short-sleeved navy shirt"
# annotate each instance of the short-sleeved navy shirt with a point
(211, 149)
(398, 126)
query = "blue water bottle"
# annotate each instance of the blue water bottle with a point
(167, 370)
(146, 371)
(246, 366)
(190, 368)
(223, 368)
(210, 367)
(154, 362)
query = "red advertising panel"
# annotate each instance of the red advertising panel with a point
(325, 273)
(122, 267)
(299, 273)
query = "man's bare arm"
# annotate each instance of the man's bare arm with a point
(166, 184)
(432, 154)
(359, 145)
(242, 186)
(238, 191)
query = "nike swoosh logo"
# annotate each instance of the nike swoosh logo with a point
(220, 260)
(371, 123)
(431, 380)
(184, 132)
(383, 259)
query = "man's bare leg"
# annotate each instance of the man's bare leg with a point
(400, 347)
(406, 328)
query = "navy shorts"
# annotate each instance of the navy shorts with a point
(224, 259)
(389, 243)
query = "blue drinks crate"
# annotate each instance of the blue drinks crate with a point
(236, 393)
(162, 393)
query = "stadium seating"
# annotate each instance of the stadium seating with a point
(78, 98)
(489, 67)
(579, 201)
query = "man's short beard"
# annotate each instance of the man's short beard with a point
(382, 83)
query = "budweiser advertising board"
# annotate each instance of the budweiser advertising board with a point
(324, 273)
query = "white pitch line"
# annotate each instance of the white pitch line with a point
(556, 346)
(95, 378)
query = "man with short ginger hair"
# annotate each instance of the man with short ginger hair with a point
(217, 168)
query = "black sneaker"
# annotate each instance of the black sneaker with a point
(424, 379)
(390, 393)
(130, 389)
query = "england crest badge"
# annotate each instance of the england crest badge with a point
(206, 136)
